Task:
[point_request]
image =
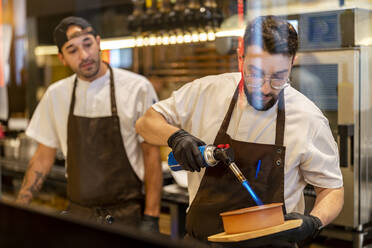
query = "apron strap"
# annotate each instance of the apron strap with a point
(226, 120)
(280, 119)
(72, 104)
(112, 93)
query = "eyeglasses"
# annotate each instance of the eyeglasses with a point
(255, 81)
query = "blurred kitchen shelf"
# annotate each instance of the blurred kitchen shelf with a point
(57, 172)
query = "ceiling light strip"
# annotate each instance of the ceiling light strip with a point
(130, 42)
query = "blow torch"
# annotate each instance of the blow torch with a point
(211, 156)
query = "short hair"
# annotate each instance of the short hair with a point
(60, 37)
(273, 34)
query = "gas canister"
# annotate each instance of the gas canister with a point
(208, 158)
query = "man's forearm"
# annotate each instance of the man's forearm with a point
(153, 187)
(32, 183)
(154, 128)
(38, 168)
(153, 179)
(328, 204)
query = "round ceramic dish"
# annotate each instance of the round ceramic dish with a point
(252, 218)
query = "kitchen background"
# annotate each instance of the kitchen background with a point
(173, 42)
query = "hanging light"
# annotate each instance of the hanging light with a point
(173, 39)
(152, 40)
(211, 36)
(146, 41)
(159, 40)
(187, 38)
(165, 39)
(180, 39)
(195, 37)
(139, 41)
(203, 36)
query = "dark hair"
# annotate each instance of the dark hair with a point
(273, 34)
(59, 35)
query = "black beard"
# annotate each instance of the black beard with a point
(93, 73)
(260, 106)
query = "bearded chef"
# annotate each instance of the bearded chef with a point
(90, 116)
(259, 114)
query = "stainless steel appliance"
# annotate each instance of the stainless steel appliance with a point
(334, 69)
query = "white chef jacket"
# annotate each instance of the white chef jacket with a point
(311, 152)
(134, 95)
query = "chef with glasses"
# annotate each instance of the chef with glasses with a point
(267, 123)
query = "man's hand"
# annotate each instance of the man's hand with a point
(310, 228)
(185, 150)
(149, 223)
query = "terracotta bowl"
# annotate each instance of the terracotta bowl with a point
(252, 218)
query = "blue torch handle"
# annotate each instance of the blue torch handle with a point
(175, 166)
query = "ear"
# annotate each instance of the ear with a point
(98, 39)
(62, 59)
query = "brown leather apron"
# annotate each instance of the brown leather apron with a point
(101, 181)
(221, 191)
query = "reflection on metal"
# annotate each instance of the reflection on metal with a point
(348, 58)
(353, 110)
(129, 42)
(366, 41)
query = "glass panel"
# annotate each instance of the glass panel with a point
(171, 43)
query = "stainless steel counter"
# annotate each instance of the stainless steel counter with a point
(174, 197)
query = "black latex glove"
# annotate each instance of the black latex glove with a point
(185, 150)
(310, 228)
(149, 223)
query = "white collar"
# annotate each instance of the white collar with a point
(98, 81)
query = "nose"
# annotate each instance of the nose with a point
(83, 54)
(266, 88)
